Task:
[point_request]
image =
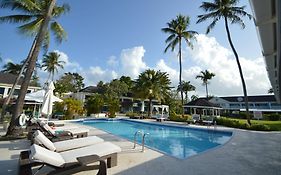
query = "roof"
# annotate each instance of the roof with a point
(200, 102)
(257, 98)
(7, 78)
(91, 89)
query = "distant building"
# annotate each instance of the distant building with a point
(6, 82)
(265, 103)
(127, 102)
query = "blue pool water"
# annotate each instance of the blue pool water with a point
(180, 142)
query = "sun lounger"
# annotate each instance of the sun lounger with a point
(75, 132)
(41, 139)
(72, 160)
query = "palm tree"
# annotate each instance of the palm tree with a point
(151, 85)
(186, 87)
(42, 12)
(229, 12)
(205, 76)
(178, 30)
(51, 63)
(12, 68)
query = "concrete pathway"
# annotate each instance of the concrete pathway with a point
(247, 153)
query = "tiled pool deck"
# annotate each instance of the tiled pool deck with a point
(247, 153)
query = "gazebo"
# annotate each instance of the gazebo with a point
(203, 107)
(161, 111)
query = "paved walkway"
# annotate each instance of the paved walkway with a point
(247, 153)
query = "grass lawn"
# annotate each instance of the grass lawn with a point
(274, 125)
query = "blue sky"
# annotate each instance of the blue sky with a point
(107, 38)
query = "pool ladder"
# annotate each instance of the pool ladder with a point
(143, 138)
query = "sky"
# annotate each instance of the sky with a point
(108, 39)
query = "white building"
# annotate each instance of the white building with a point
(265, 103)
(267, 15)
(6, 83)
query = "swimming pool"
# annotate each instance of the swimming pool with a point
(180, 142)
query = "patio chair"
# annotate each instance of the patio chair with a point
(41, 139)
(74, 132)
(69, 162)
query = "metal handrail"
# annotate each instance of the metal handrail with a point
(143, 137)
(135, 138)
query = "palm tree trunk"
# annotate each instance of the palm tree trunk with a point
(180, 76)
(206, 90)
(7, 100)
(20, 100)
(240, 71)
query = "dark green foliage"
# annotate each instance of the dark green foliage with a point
(259, 127)
(94, 104)
(69, 82)
(113, 107)
(272, 117)
(236, 124)
(179, 118)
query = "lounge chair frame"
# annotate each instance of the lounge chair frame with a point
(25, 166)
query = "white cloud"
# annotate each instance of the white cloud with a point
(132, 61)
(209, 54)
(173, 74)
(96, 74)
(112, 61)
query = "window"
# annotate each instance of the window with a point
(2, 90)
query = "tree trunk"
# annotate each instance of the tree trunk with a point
(20, 100)
(206, 90)
(240, 71)
(180, 76)
(7, 100)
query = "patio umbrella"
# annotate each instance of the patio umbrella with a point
(47, 106)
(38, 96)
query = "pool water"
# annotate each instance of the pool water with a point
(180, 142)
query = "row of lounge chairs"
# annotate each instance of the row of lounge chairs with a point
(66, 153)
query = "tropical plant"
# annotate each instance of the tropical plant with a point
(94, 104)
(113, 107)
(270, 91)
(72, 108)
(178, 30)
(115, 89)
(12, 68)
(186, 87)
(152, 84)
(229, 12)
(205, 76)
(36, 16)
(69, 82)
(128, 81)
(51, 63)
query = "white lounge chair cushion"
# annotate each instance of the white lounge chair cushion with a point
(101, 149)
(76, 143)
(42, 139)
(41, 154)
(76, 131)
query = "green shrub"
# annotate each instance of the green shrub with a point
(131, 114)
(178, 118)
(113, 107)
(272, 117)
(259, 127)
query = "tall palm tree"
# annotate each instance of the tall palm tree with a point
(33, 15)
(12, 68)
(31, 9)
(205, 76)
(51, 63)
(186, 87)
(151, 85)
(178, 31)
(229, 12)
